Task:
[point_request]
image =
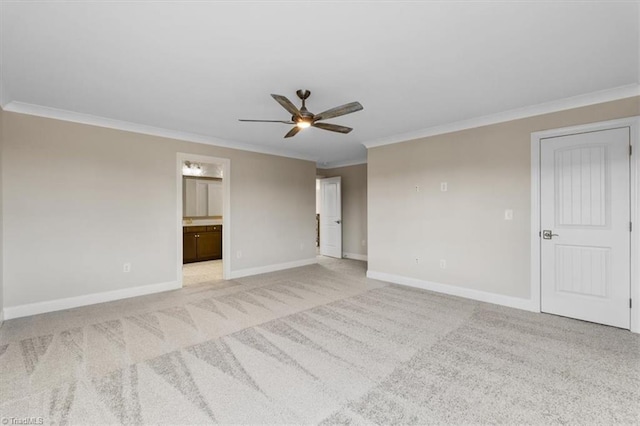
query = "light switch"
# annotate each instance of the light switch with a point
(508, 214)
(443, 186)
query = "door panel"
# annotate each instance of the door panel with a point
(209, 246)
(189, 248)
(583, 270)
(582, 180)
(585, 205)
(331, 217)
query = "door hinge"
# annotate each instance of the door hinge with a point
(539, 233)
(630, 150)
(630, 226)
(630, 304)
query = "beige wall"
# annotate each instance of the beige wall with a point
(354, 206)
(487, 170)
(79, 201)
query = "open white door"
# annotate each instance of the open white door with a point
(330, 217)
(585, 222)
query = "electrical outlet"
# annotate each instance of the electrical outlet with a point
(508, 214)
(239, 254)
(443, 187)
(443, 264)
(363, 243)
(126, 267)
(417, 188)
(417, 260)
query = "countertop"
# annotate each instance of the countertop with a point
(201, 222)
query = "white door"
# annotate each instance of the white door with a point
(330, 217)
(585, 222)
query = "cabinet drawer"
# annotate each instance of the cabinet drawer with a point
(194, 229)
(214, 228)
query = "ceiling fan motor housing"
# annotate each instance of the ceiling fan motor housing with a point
(305, 115)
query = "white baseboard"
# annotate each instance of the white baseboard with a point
(355, 256)
(272, 268)
(87, 299)
(482, 296)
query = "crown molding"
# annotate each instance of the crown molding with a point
(336, 164)
(93, 120)
(514, 114)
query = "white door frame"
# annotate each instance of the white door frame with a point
(634, 124)
(226, 208)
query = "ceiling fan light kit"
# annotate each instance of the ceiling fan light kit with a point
(302, 118)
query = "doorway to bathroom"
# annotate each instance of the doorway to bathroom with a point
(203, 215)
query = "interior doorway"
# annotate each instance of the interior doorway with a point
(318, 204)
(330, 218)
(585, 184)
(203, 219)
(585, 216)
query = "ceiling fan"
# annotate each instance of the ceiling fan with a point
(302, 118)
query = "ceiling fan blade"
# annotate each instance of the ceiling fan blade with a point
(267, 121)
(338, 111)
(293, 132)
(286, 104)
(332, 127)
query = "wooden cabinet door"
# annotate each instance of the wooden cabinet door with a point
(189, 248)
(209, 245)
(218, 244)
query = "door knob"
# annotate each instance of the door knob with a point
(337, 221)
(548, 234)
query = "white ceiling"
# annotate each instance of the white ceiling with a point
(196, 67)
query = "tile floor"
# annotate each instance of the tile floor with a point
(202, 272)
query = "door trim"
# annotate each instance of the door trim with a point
(634, 126)
(226, 209)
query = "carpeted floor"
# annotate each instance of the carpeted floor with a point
(318, 344)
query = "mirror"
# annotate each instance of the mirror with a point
(201, 191)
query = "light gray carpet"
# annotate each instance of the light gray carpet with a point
(318, 344)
